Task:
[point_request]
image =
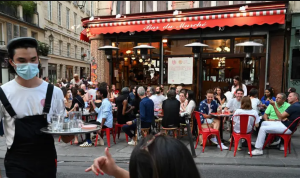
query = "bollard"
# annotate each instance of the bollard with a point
(187, 121)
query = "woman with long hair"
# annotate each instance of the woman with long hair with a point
(123, 108)
(237, 84)
(156, 156)
(265, 100)
(67, 99)
(246, 108)
(220, 97)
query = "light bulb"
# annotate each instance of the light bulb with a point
(149, 65)
(141, 60)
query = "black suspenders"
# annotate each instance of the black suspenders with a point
(48, 99)
(11, 111)
(6, 104)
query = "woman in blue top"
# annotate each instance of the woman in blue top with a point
(269, 95)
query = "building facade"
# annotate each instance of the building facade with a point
(153, 23)
(68, 54)
(292, 62)
(15, 22)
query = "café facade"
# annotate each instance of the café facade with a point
(169, 31)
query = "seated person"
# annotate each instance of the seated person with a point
(105, 117)
(170, 111)
(235, 103)
(254, 100)
(270, 114)
(246, 108)
(207, 106)
(146, 115)
(286, 118)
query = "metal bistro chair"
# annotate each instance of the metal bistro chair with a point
(244, 119)
(286, 137)
(205, 132)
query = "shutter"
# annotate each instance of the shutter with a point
(222, 3)
(9, 31)
(23, 31)
(134, 7)
(162, 5)
(239, 2)
(148, 6)
(16, 31)
(206, 3)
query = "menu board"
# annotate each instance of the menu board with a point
(180, 70)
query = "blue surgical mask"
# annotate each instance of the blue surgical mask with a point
(27, 70)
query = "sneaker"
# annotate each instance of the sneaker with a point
(86, 144)
(101, 141)
(214, 140)
(276, 142)
(257, 152)
(132, 143)
(281, 147)
(223, 147)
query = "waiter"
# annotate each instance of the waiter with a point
(25, 107)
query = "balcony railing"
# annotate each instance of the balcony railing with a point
(2, 42)
(9, 10)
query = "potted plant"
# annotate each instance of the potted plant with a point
(83, 55)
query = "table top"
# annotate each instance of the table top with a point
(221, 115)
(68, 131)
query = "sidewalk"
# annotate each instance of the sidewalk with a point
(121, 152)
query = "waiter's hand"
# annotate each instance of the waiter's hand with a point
(66, 138)
(104, 164)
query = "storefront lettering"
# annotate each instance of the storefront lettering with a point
(182, 25)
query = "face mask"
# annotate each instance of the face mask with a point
(27, 71)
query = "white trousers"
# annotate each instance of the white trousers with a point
(275, 127)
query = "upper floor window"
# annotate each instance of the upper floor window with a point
(59, 13)
(148, 6)
(51, 39)
(49, 10)
(121, 7)
(134, 7)
(68, 18)
(75, 22)
(162, 5)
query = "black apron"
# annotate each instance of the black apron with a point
(32, 154)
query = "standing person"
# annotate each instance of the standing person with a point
(114, 92)
(46, 79)
(237, 84)
(76, 80)
(146, 116)
(265, 100)
(131, 94)
(104, 118)
(150, 92)
(123, 112)
(132, 78)
(30, 153)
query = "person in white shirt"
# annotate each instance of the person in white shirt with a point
(235, 103)
(246, 108)
(237, 84)
(27, 103)
(76, 80)
(178, 89)
(254, 100)
(157, 99)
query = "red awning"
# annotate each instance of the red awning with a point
(221, 20)
(83, 36)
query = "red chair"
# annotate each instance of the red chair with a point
(118, 128)
(285, 137)
(244, 119)
(107, 131)
(205, 132)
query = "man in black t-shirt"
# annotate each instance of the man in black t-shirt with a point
(292, 113)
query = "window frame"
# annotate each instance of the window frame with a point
(68, 49)
(59, 12)
(49, 10)
(75, 21)
(68, 18)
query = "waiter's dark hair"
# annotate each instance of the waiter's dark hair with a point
(103, 91)
(11, 53)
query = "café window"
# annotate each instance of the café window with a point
(256, 49)
(217, 46)
(176, 47)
